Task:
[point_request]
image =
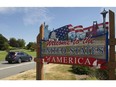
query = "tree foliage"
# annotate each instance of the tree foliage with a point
(31, 46)
(3, 43)
(13, 42)
(17, 43)
(21, 43)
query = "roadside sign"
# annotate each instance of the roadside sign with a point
(92, 50)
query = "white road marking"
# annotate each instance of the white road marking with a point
(15, 65)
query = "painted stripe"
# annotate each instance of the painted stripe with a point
(15, 66)
(78, 30)
(79, 26)
(99, 25)
(71, 27)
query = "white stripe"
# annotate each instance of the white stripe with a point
(16, 65)
(78, 28)
(85, 31)
(71, 27)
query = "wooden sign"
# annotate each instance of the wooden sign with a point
(90, 51)
(67, 38)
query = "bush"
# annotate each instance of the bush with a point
(93, 73)
(101, 74)
(78, 69)
(32, 49)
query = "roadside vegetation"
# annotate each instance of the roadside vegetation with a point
(51, 72)
(94, 74)
(4, 53)
(14, 44)
(60, 72)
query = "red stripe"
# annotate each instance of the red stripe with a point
(102, 23)
(71, 29)
(79, 26)
(78, 30)
(87, 28)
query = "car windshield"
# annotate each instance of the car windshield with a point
(11, 53)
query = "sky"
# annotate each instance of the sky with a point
(24, 22)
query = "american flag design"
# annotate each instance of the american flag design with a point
(78, 32)
(68, 32)
(61, 33)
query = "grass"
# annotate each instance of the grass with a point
(4, 53)
(60, 72)
(32, 53)
(52, 72)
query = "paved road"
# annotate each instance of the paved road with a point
(12, 69)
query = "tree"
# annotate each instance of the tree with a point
(21, 43)
(3, 43)
(31, 46)
(13, 42)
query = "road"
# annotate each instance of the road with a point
(12, 69)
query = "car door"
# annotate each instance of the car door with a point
(26, 57)
(22, 56)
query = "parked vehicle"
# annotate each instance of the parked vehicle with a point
(12, 57)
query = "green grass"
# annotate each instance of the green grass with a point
(4, 53)
(32, 53)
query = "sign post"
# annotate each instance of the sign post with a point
(112, 43)
(38, 60)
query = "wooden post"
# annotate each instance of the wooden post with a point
(112, 46)
(38, 60)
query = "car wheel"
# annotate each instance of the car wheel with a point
(10, 62)
(30, 59)
(19, 60)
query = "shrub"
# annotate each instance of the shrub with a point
(101, 74)
(92, 72)
(78, 69)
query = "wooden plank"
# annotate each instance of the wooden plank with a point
(112, 24)
(112, 44)
(112, 74)
(113, 64)
(38, 60)
(112, 36)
